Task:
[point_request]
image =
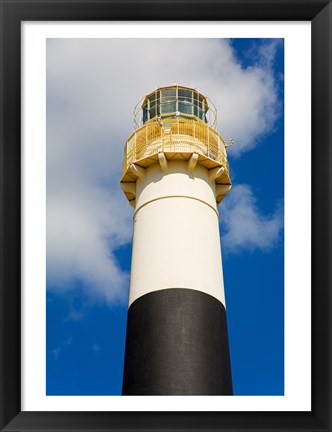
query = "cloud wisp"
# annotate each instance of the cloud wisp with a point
(57, 350)
(91, 94)
(95, 348)
(245, 227)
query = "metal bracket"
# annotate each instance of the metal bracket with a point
(192, 162)
(215, 173)
(162, 160)
(222, 189)
(128, 187)
(137, 171)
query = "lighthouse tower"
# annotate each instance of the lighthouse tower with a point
(175, 173)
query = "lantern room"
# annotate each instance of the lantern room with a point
(175, 102)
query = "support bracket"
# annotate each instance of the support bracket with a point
(137, 171)
(222, 189)
(192, 162)
(128, 187)
(215, 173)
(162, 160)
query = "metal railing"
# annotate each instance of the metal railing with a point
(175, 135)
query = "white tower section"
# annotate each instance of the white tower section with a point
(176, 231)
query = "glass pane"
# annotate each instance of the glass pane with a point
(168, 107)
(152, 112)
(187, 94)
(157, 97)
(196, 105)
(200, 113)
(196, 100)
(145, 114)
(185, 107)
(168, 95)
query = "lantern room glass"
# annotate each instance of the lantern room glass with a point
(175, 102)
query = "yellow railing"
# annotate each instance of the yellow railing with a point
(172, 135)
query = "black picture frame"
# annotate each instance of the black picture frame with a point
(13, 12)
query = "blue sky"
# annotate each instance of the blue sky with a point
(92, 88)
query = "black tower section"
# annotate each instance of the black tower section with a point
(177, 344)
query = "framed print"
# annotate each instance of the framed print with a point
(72, 73)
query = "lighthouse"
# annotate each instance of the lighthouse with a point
(175, 173)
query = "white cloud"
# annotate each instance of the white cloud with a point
(92, 88)
(74, 315)
(244, 226)
(84, 226)
(56, 351)
(95, 348)
(68, 341)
